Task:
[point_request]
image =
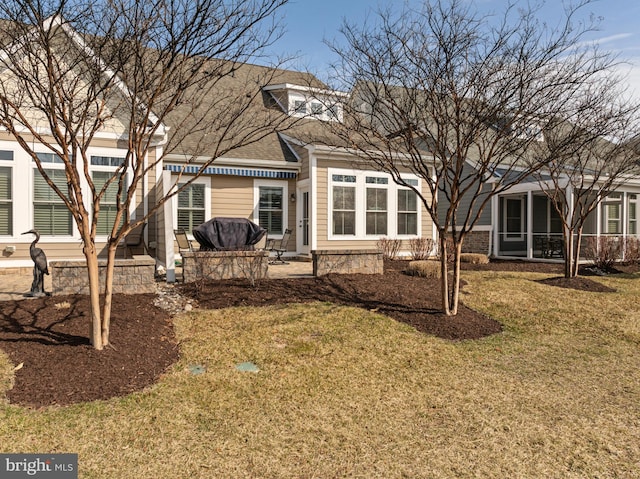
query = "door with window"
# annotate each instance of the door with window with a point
(304, 223)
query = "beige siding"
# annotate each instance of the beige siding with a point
(232, 196)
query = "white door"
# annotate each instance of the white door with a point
(304, 224)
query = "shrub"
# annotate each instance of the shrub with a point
(474, 258)
(603, 251)
(424, 269)
(388, 247)
(632, 250)
(421, 248)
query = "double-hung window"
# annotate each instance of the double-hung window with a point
(376, 205)
(612, 217)
(408, 209)
(191, 206)
(104, 171)
(271, 209)
(6, 195)
(344, 205)
(50, 215)
(632, 202)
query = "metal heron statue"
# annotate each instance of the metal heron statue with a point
(40, 267)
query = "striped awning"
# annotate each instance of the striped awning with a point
(221, 170)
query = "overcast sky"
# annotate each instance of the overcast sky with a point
(309, 22)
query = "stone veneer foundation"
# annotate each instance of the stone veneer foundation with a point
(130, 276)
(251, 265)
(347, 261)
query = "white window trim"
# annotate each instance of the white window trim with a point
(605, 215)
(11, 164)
(257, 183)
(327, 103)
(202, 180)
(521, 235)
(361, 190)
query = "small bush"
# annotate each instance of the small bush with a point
(603, 251)
(632, 250)
(421, 248)
(424, 268)
(388, 247)
(474, 258)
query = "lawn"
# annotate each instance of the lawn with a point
(344, 392)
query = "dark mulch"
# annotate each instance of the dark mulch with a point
(60, 367)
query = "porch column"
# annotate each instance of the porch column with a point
(570, 207)
(529, 224)
(168, 255)
(495, 222)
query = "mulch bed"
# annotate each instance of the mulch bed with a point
(60, 367)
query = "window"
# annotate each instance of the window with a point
(49, 158)
(191, 206)
(407, 212)
(376, 206)
(344, 210)
(300, 107)
(612, 211)
(6, 203)
(6, 155)
(270, 209)
(513, 222)
(50, 215)
(108, 203)
(364, 205)
(316, 108)
(106, 161)
(633, 214)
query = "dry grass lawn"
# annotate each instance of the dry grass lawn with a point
(343, 392)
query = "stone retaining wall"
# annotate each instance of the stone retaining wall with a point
(252, 265)
(347, 262)
(130, 276)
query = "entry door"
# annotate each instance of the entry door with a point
(304, 225)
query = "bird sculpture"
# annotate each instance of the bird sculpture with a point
(40, 267)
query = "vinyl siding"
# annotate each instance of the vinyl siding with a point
(465, 204)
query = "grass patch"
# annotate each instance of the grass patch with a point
(344, 392)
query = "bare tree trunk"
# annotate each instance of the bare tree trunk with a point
(444, 274)
(108, 293)
(93, 272)
(567, 235)
(455, 285)
(576, 261)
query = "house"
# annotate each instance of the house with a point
(291, 175)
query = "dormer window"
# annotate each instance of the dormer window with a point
(308, 102)
(300, 107)
(316, 108)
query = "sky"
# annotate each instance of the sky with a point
(308, 23)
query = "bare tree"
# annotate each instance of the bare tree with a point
(73, 71)
(458, 99)
(593, 155)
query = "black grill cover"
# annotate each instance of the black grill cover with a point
(228, 234)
